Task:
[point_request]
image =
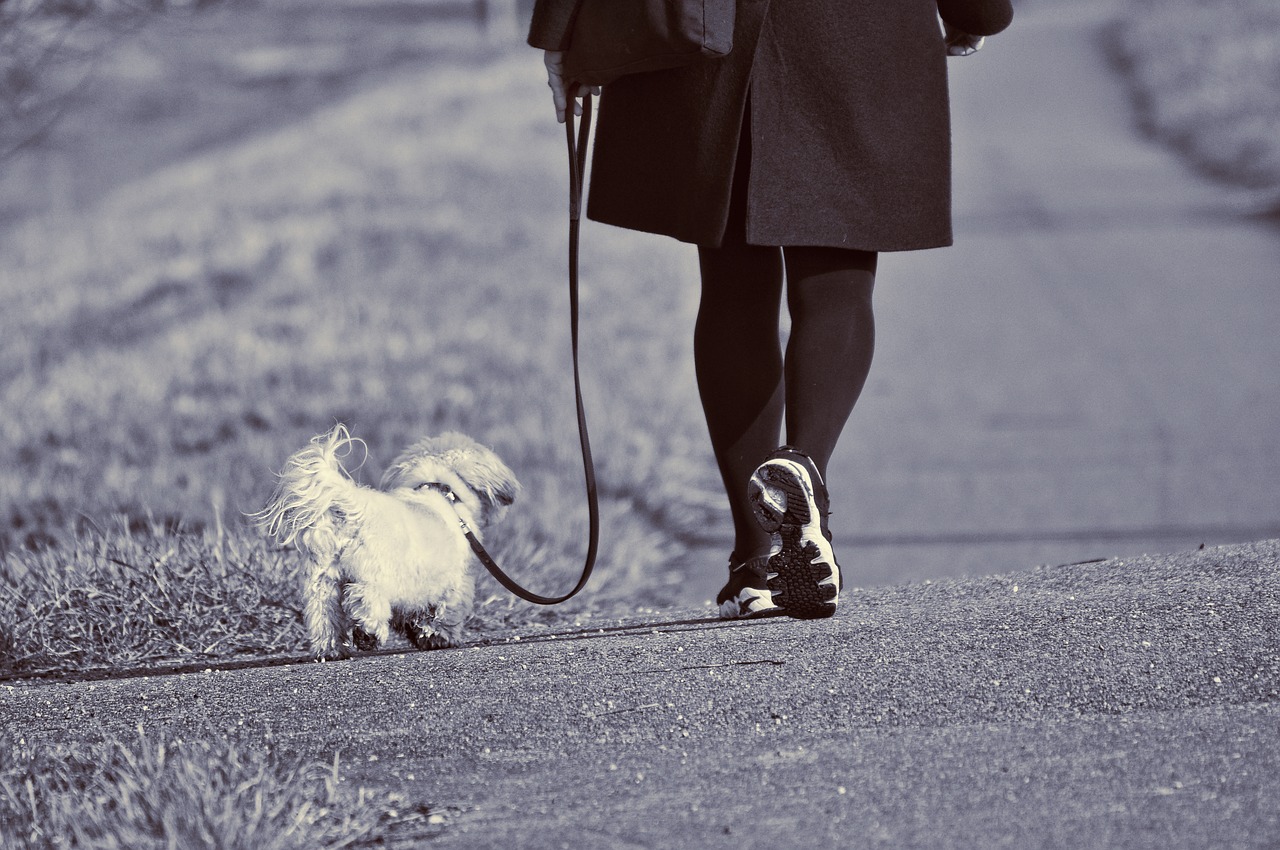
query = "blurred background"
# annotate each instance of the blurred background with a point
(225, 224)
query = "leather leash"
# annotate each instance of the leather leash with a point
(577, 166)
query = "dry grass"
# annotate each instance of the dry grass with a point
(395, 263)
(1206, 75)
(142, 596)
(152, 794)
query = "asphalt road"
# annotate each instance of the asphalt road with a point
(1093, 369)
(1122, 704)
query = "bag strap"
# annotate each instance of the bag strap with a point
(577, 166)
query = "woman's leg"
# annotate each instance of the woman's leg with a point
(828, 357)
(832, 341)
(738, 360)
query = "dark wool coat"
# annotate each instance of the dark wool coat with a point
(849, 126)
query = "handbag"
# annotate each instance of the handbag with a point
(613, 38)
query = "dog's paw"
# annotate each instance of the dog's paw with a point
(426, 638)
(364, 641)
(337, 652)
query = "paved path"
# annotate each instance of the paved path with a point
(1130, 704)
(1094, 369)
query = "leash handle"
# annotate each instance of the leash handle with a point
(577, 166)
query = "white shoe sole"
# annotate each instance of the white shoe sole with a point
(803, 576)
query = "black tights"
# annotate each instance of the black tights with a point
(746, 385)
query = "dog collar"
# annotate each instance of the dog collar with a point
(444, 489)
(447, 491)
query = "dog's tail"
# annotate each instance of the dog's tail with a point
(312, 483)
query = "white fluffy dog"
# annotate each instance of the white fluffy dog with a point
(391, 557)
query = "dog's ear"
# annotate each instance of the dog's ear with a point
(490, 478)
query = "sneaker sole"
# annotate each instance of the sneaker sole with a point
(803, 576)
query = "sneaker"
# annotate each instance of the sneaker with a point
(790, 502)
(746, 594)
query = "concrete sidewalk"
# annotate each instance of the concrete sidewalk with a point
(1122, 704)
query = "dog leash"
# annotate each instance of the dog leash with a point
(577, 166)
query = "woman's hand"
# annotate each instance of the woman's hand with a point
(563, 90)
(961, 43)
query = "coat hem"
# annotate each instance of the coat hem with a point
(810, 241)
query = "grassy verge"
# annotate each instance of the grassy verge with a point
(137, 597)
(1206, 77)
(394, 262)
(151, 794)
